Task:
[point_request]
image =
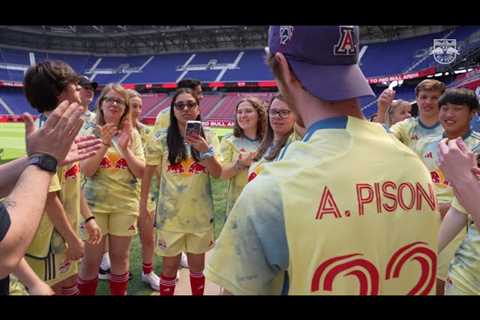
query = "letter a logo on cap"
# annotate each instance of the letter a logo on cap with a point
(346, 44)
(286, 33)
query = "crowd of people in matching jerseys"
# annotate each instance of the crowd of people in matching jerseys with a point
(157, 181)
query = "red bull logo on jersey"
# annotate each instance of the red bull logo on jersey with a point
(439, 179)
(105, 163)
(121, 164)
(378, 197)
(196, 168)
(186, 168)
(175, 168)
(254, 173)
(73, 172)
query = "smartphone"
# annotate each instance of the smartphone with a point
(193, 128)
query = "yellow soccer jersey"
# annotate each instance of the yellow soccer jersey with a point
(145, 133)
(257, 167)
(334, 229)
(230, 149)
(427, 149)
(40, 245)
(66, 183)
(463, 270)
(163, 119)
(113, 188)
(89, 124)
(411, 130)
(186, 201)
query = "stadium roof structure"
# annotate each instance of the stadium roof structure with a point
(155, 39)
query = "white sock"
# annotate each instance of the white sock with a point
(105, 264)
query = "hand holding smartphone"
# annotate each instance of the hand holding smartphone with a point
(193, 128)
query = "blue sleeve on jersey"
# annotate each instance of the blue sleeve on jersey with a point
(251, 254)
(268, 222)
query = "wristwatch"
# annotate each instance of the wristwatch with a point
(209, 154)
(43, 161)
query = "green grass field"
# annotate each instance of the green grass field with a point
(12, 142)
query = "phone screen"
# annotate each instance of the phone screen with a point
(193, 128)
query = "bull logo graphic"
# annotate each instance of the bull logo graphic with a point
(121, 164)
(73, 172)
(445, 50)
(105, 163)
(196, 168)
(175, 168)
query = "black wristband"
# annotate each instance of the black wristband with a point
(4, 221)
(89, 218)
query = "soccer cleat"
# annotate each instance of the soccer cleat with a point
(152, 280)
(103, 274)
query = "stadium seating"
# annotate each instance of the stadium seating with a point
(411, 54)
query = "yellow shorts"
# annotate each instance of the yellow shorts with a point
(53, 269)
(151, 203)
(117, 224)
(17, 288)
(171, 244)
(447, 254)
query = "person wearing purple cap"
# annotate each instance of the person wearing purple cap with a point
(312, 223)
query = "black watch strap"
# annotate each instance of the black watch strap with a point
(44, 161)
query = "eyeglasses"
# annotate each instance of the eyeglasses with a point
(182, 104)
(120, 102)
(282, 114)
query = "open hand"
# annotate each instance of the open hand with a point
(55, 138)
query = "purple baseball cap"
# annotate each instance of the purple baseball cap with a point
(324, 59)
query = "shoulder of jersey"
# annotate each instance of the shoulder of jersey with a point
(209, 132)
(476, 147)
(166, 110)
(160, 133)
(475, 135)
(228, 136)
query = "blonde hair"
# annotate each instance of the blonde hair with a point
(391, 109)
(133, 93)
(123, 93)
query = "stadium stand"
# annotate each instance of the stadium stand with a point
(381, 59)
